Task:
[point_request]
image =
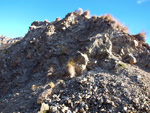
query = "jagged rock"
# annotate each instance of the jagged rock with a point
(64, 109)
(86, 14)
(101, 47)
(132, 60)
(135, 43)
(44, 107)
(81, 62)
(53, 109)
(44, 95)
(91, 64)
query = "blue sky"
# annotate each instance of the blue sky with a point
(17, 15)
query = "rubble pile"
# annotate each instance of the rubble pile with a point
(76, 64)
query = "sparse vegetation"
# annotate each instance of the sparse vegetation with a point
(94, 17)
(87, 13)
(71, 62)
(111, 20)
(5, 51)
(58, 19)
(140, 36)
(70, 68)
(125, 29)
(45, 111)
(45, 20)
(107, 17)
(82, 65)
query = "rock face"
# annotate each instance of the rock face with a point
(76, 64)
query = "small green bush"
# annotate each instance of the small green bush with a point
(6, 51)
(123, 65)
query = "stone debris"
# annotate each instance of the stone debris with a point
(78, 64)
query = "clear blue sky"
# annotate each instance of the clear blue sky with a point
(17, 15)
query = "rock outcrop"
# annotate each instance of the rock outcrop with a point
(76, 64)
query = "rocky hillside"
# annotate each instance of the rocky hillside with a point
(6, 42)
(78, 64)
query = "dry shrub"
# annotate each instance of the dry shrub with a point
(111, 20)
(71, 62)
(140, 36)
(107, 17)
(94, 17)
(70, 68)
(125, 29)
(58, 19)
(76, 13)
(45, 20)
(102, 16)
(87, 13)
(119, 25)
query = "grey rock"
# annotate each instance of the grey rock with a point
(44, 107)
